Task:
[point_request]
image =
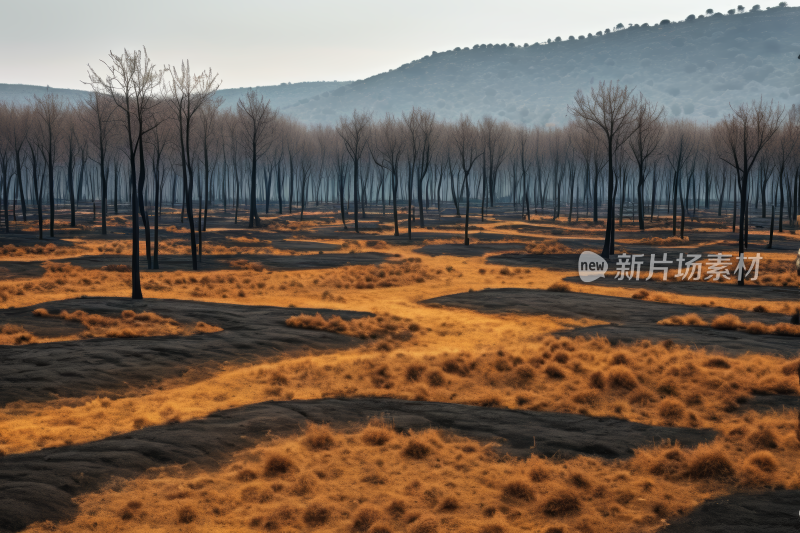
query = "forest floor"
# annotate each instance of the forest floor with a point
(310, 378)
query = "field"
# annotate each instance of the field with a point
(310, 378)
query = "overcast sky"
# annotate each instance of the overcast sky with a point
(252, 43)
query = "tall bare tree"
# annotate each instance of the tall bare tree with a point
(469, 149)
(644, 145)
(131, 83)
(258, 121)
(98, 118)
(608, 113)
(186, 93)
(388, 149)
(49, 110)
(355, 131)
(786, 148)
(6, 151)
(741, 137)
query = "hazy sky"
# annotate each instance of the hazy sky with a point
(269, 42)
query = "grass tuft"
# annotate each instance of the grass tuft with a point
(562, 503)
(416, 449)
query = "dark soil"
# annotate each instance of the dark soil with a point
(630, 319)
(305, 246)
(774, 512)
(40, 485)
(566, 262)
(171, 263)
(700, 288)
(473, 250)
(777, 402)
(115, 366)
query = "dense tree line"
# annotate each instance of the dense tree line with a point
(146, 138)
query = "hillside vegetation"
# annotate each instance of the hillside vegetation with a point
(695, 68)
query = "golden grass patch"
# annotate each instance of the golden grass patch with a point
(128, 325)
(548, 246)
(351, 485)
(732, 322)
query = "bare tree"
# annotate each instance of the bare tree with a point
(258, 122)
(388, 148)
(495, 138)
(6, 150)
(741, 137)
(17, 133)
(50, 110)
(608, 113)
(354, 132)
(209, 139)
(644, 144)
(98, 117)
(131, 83)
(785, 149)
(468, 146)
(681, 148)
(186, 93)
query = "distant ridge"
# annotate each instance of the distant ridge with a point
(696, 68)
(20, 94)
(281, 96)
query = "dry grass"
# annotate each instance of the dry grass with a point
(732, 322)
(776, 271)
(658, 241)
(559, 287)
(382, 326)
(49, 249)
(403, 273)
(548, 246)
(354, 486)
(456, 356)
(644, 383)
(243, 264)
(128, 325)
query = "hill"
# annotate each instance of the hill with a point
(281, 96)
(694, 67)
(20, 94)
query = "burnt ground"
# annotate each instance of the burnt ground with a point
(566, 262)
(32, 239)
(418, 235)
(569, 262)
(473, 250)
(777, 402)
(40, 485)
(171, 263)
(773, 511)
(306, 246)
(630, 320)
(700, 288)
(115, 366)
